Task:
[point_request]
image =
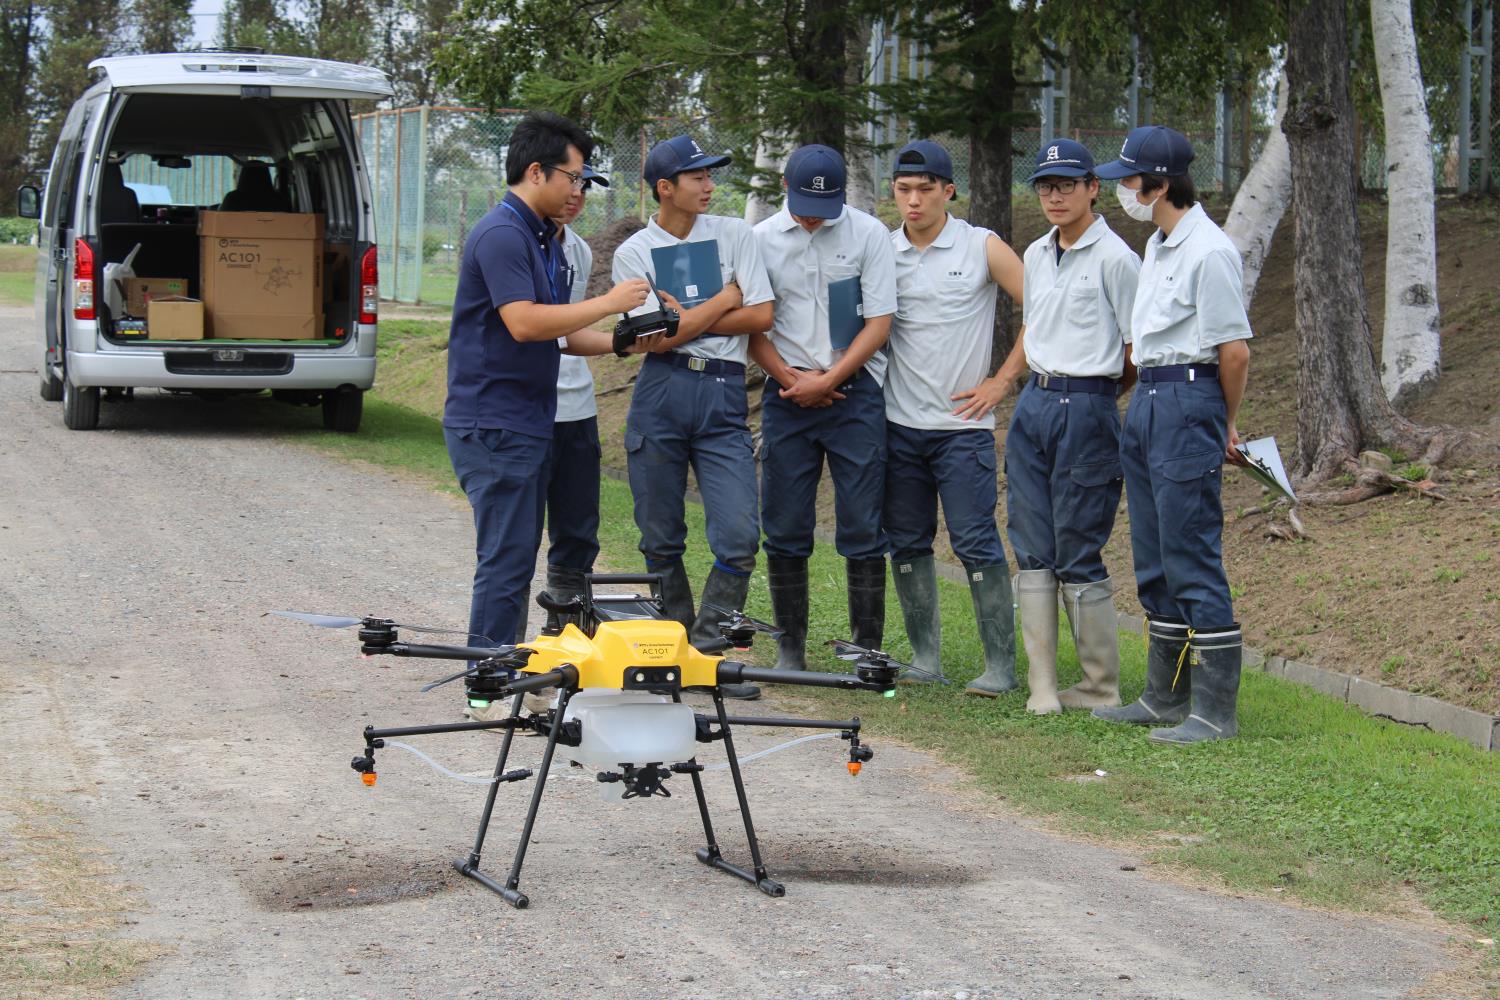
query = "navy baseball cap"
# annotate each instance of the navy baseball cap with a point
(671, 157)
(815, 178)
(923, 156)
(1062, 158)
(594, 177)
(1150, 149)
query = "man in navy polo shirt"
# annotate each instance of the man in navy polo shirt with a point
(509, 313)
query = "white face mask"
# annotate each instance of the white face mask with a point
(1132, 207)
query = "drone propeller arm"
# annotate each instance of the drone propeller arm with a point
(731, 672)
(565, 676)
(438, 652)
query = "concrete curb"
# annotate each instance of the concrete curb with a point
(1392, 704)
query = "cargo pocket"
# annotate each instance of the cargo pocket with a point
(1193, 467)
(1096, 473)
(1191, 501)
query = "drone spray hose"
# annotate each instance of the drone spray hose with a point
(471, 779)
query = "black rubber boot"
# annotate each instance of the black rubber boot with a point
(563, 584)
(727, 591)
(676, 591)
(789, 607)
(1168, 682)
(866, 601)
(1216, 689)
(994, 612)
(916, 588)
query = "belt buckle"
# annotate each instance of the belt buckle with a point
(697, 364)
(1043, 380)
(1192, 373)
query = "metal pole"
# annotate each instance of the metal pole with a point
(1465, 98)
(421, 196)
(1135, 81)
(1486, 92)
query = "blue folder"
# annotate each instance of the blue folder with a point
(688, 271)
(846, 312)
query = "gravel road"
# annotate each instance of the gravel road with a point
(206, 749)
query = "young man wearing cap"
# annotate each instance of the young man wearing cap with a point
(823, 396)
(1188, 328)
(689, 407)
(509, 314)
(573, 473)
(1062, 452)
(939, 431)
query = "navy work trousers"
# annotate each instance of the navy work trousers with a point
(794, 441)
(923, 466)
(1062, 476)
(679, 419)
(504, 475)
(573, 495)
(1172, 449)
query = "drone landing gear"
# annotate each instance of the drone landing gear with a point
(710, 855)
(510, 891)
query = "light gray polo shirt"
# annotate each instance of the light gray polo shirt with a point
(1077, 309)
(575, 383)
(802, 265)
(943, 330)
(739, 261)
(1190, 297)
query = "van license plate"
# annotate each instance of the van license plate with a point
(229, 355)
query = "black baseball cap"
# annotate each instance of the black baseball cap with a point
(923, 156)
(594, 177)
(815, 177)
(1150, 149)
(671, 157)
(1062, 158)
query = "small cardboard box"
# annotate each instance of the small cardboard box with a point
(140, 291)
(174, 318)
(262, 274)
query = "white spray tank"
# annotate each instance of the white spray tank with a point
(630, 727)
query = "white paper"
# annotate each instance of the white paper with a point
(1265, 465)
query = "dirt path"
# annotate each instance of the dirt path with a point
(206, 749)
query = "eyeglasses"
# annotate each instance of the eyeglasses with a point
(576, 179)
(1065, 186)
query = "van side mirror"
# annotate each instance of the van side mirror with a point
(29, 202)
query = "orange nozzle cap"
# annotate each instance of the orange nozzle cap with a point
(854, 767)
(368, 778)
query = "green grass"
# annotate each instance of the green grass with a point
(1314, 799)
(17, 275)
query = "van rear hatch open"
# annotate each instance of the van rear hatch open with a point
(242, 75)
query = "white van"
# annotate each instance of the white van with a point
(224, 131)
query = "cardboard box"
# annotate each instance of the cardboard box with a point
(140, 291)
(171, 317)
(262, 274)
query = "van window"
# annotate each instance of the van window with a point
(62, 179)
(202, 180)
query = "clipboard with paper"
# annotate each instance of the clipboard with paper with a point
(689, 272)
(846, 312)
(1265, 466)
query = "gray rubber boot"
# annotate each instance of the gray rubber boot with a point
(866, 601)
(1216, 690)
(1036, 596)
(916, 589)
(563, 584)
(1168, 681)
(1096, 636)
(727, 591)
(676, 591)
(995, 614)
(789, 607)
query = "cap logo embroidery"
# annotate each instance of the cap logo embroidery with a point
(818, 184)
(697, 149)
(1051, 152)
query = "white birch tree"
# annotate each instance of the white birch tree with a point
(1411, 342)
(1262, 199)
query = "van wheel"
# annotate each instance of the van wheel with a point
(52, 387)
(342, 409)
(80, 407)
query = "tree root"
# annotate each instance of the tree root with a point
(1370, 482)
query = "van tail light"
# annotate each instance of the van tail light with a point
(369, 286)
(83, 280)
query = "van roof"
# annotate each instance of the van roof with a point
(229, 72)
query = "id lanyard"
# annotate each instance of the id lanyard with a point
(554, 272)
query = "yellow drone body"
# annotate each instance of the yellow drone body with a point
(635, 654)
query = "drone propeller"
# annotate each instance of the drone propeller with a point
(846, 650)
(740, 620)
(341, 621)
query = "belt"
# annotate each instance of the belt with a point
(708, 366)
(1069, 383)
(859, 373)
(1179, 373)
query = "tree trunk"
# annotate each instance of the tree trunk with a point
(1262, 199)
(820, 70)
(765, 199)
(990, 174)
(861, 187)
(1410, 346)
(1340, 404)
